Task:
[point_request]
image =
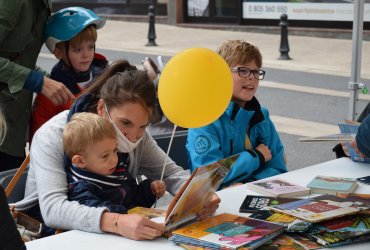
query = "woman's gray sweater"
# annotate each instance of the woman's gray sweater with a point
(47, 183)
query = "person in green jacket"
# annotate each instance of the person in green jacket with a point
(21, 30)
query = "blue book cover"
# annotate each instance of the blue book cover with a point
(351, 129)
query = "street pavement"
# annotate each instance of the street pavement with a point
(330, 56)
(309, 54)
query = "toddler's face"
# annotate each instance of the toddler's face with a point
(244, 88)
(82, 55)
(101, 157)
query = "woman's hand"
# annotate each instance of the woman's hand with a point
(131, 226)
(56, 92)
(210, 207)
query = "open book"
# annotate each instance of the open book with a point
(195, 193)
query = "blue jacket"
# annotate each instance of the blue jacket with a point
(227, 136)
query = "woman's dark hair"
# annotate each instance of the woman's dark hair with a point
(120, 83)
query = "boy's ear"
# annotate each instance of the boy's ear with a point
(78, 161)
(58, 52)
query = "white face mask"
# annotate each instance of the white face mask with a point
(124, 144)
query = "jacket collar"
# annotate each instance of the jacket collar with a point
(253, 105)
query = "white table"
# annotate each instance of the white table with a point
(231, 200)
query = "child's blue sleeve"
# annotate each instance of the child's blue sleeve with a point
(277, 164)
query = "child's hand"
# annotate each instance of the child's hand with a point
(265, 151)
(158, 188)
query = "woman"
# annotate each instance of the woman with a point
(127, 99)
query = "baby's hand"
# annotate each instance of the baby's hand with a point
(158, 188)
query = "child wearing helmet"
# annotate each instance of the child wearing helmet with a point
(70, 34)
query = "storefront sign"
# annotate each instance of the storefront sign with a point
(302, 11)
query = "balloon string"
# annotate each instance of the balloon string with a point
(168, 150)
(167, 157)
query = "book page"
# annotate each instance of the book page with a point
(197, 192)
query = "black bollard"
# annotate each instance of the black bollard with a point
(151, 32)
(284, 45)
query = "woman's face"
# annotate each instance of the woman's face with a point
(131, 118)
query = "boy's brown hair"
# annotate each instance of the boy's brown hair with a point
(87, 34)
(83, 130)
(240, 52)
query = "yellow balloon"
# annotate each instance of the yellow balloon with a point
(195, 88)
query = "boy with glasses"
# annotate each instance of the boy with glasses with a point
(245, 127)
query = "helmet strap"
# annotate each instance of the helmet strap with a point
(66, 47)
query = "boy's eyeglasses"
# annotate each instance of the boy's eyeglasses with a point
(245, 72)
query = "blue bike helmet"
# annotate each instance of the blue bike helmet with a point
(67, 23)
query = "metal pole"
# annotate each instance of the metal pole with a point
(284, 44)
(354, 84)
(151, 32)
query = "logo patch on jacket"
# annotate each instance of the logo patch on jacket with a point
(202, 144)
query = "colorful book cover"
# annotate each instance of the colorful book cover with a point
(292, 224)
(253, 203)
(331, 185)
(322, 207)
(199, 188)
(352, 129)
(227, 231)
(341, 231)
(288, 242)
(278, 188)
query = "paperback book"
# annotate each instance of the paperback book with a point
(192, 197)
(196, 192)
(253, 203)
(227, 231)
(331, 185)
(278, 188)
(341, 231)
(332, 137)
(291, 223)
(322, 207)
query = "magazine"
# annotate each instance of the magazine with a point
(227, 231)
(322, 207)
(331, 185)
(278, 188)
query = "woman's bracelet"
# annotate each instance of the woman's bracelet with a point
(116, 222)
